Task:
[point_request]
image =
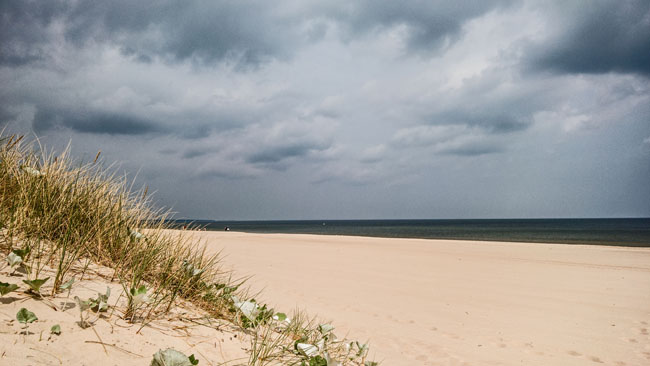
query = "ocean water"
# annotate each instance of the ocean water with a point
(617, 232)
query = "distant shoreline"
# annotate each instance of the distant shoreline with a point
(622, 232)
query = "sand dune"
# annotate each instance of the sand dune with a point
(439, 302)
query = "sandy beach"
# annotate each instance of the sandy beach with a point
(440, 302)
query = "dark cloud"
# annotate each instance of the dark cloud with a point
(241, 32)
(473, 149)
(429, 25)
(24, 35)
(497, 122)
(96, 122)
(197, 152)
(276, 154)
(598, 37)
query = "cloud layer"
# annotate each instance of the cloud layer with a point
(311, 109)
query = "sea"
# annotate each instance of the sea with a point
(630, 232)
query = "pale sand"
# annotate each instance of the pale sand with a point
(185, 329)
(441, 302)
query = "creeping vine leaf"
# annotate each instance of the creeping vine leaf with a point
(250, 309)
(83, 305)
(67, 285)
(25, 316)
(193, 360)
(330, 360)
(56, 329)
(35, 285)
(190, 269)
(6, 288)
(325, 328)
(139, 295)
(172, 357)
(100, 304)
(363, 349)
(14, 259)
(317, 361)
(24, 252)
(307, 349)
(280, 317)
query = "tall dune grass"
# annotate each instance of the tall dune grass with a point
(61, 214)
(66, 212)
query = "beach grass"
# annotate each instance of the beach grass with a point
(61, 216)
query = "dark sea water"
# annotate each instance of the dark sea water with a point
(617, 232)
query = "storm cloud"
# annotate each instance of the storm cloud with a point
(337, 109)
(597, 37)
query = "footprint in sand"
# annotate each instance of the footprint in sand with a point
(595, 359)
(644, 331)
(574, 353)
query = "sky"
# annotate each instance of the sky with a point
(238, 110)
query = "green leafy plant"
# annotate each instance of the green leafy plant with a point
(23, 252)
(14, 260)
(315, 361)
(138, 295)
(172, 357)
(83, 306)
(100, 304)
(67, 285)
(193, 360)
(253, 314)
(25, 316)
(56, 329)
(280, 317)
(306, 349)
(325, 329)
(35, 285)
(6, 288)
(190, 269)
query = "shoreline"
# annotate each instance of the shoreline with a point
(431, 302)
(628, 232)
(483, 240)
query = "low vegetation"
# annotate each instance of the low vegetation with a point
(59, 217)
